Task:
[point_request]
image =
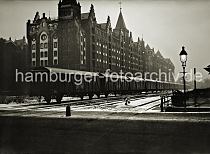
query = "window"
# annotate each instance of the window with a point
(45, 46)
(33, 47)
(55, 53)
(41, 46)
(55, 44)
(46, 62)
(55, 61)
(42, 54)
(42, 63)
(33, 63)
(33, 55)
(45, 53)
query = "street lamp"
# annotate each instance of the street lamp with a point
(183, 59)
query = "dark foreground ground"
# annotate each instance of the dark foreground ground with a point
(86, 133)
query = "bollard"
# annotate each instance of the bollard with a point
(161, 104)
(68, 110)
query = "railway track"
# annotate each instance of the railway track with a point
(138, 103)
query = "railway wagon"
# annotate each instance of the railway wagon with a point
(55, 83)
(63, 82)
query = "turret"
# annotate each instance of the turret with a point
(69, 9)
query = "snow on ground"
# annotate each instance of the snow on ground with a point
(96, 105)
(133, 106)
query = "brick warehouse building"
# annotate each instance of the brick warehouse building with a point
(76, 41)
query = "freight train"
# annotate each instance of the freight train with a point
(54, 83)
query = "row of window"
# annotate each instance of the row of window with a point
(83, 39)
(105, 54)
(82, 49)
(44, 54)
(99, 60)
(45, 45)
(82, 59)
(44, 62)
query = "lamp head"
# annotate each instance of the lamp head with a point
(183, 56)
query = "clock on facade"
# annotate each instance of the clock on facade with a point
(44, 37)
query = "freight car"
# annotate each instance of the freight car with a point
(56, 83)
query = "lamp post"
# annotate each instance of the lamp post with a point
(183, 59)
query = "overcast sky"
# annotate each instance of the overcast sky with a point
(165, 25)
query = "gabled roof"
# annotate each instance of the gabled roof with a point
(20, 43)
(207, 69)
(120, 22)
(167, 60)
(159, 54)
(84, 16)
(148, 47)
(102, 25)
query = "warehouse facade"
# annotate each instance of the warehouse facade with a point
(77, 41)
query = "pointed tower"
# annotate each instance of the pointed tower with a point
(142, 43)
(120, 26)
(131, 37)
(108, 25)
(120, 22)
